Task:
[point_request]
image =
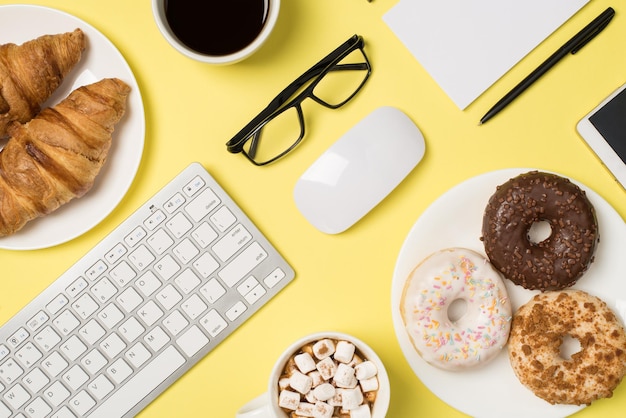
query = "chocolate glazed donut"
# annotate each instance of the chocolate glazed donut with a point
(555, 262)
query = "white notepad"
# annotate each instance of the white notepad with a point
(467, 45)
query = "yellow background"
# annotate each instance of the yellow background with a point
(343, 282)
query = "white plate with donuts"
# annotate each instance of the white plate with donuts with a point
(455, 220)
(100, 59)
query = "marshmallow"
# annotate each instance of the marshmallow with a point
(316, 377)
(310, 397)
(323, 410)
(324, 348)
(351, 398)
(327, 368)
(362, 411)
(300, 382)
(344, 351)
(324, 392)
(344, 377)
(283, 383)
(305, 362)
(288, 400)
(369, 385)
(335, 400)
(365, 370)
(305, 409)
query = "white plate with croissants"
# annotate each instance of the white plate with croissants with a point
(455, 220)
(72, 127)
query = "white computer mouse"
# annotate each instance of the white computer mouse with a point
(359, 170)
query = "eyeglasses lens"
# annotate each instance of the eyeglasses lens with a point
(285, 130)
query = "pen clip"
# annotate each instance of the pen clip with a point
(605, 18)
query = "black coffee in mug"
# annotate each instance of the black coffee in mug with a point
(216, 27)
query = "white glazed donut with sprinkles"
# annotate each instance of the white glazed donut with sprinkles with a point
(478, 331)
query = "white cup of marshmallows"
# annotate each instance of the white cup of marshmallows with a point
(324, 375)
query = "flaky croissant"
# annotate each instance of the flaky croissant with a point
(32, 71)
(56, 156)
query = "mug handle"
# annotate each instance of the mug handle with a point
(258, 407)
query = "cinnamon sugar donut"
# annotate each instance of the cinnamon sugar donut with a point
(556, 262)
(537, 332)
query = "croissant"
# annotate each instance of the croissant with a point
(56, 156)
(31, 72)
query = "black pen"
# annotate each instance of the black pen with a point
(572, 46)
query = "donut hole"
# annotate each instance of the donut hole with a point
(457, 310)
(569, 346)
(539, 231)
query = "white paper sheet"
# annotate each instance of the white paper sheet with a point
(467, 45)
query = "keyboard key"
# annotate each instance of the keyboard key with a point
(243, 264)
(94, 361)
(123, 273)
(75, 288)
(160, 241)
(119, 370)
(35, 380)
(135, 236)
(179, 225)
(85, 306)
(47, 339)
(38, 408)
(187, 281)
(82, 403)
(104, 290)
(185, 251)
(168, 297)
(202, 205)
(206, 265)
(91, 332)
(54, 364)
(110, 316)
(115, 253)
(175, 323)
(223, 218)
(174, 203)
(129, 299)
(57, 304)
(141, 384)
(213, 323)
(149, 313)
(167, 267)
(137, 355)
(56, 393)
(100, 387)
(213, 290)
(18, 337)
(75, 377)
(112, 345)
(73, 348)
(141, 257)
(154, 220)
(131, 329)
(17, 396)
(66, 322)
(96, 270)
(28, 355)
(157, 338)
(192, 341)
(204, 235)
(148, 284)
(236, 239)
(236, 310)
(193, 186)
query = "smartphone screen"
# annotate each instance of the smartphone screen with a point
(610, 121)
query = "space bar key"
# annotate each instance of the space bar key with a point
(140, 385)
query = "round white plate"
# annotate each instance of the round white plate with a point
(455, 220)
(101, 59)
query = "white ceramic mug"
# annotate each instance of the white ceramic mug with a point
(266, 405)
(272, 8)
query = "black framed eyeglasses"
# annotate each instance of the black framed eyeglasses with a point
(279, 128)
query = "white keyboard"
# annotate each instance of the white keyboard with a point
(139, 309)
